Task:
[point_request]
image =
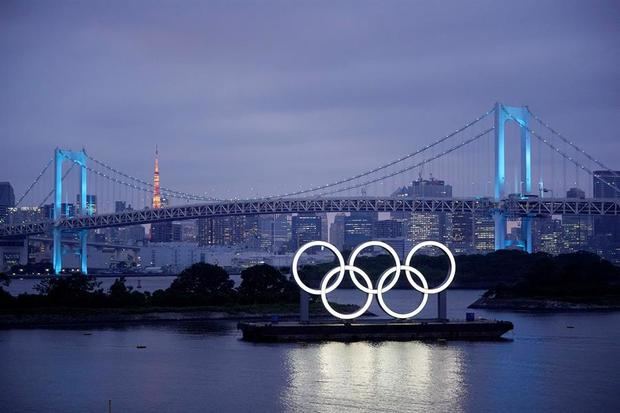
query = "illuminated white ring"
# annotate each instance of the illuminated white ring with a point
(448, 279)
(386, 247)
(333, 249)
(386, 308)
(324, 292)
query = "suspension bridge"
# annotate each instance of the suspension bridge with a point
(473, 158)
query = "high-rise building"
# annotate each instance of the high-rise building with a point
(424, 226)
(577, 231)
(120, 206)
(425, 188)
(576, 193)
(461, 238)
(274, 232)
(359, 227)
(547, 235)
(389, 228)
(7, 200)
(603, 183)
(228, 230)
(305, 228)
(161, 232)
(484, 233)
(606, 237)
(21, 215)
(336, 231)
(91, 204)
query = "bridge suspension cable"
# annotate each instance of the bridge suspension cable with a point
(195, 197)
(384, 166)
(53, 189)
(573, 145)
(416, 165)
(37, 179)
(179, 194)
(560, 152)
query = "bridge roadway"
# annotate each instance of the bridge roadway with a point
(510, 207)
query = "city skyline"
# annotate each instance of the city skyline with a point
(254, 110)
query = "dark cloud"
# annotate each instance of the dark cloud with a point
(268, 96)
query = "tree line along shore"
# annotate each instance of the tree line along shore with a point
(515, 280)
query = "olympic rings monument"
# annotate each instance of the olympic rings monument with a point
(402, 326)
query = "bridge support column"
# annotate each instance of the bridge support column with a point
(57, 250)
(500, 230)
(84, 251)
(442, 305)
(520, 115)
(78, 158)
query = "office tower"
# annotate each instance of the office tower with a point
(21, 215)
(274, 232)
(229, 230)
(424, 226)
(336, 231)
(91, 204)
(461, 238)
(577, 231)
(484, 233)
(389, 228)
(359, 227)
(7, 200)
(120, 206)
(606, 231)
(305, 228)
(162, 232)
(547, 235)
(603, 183)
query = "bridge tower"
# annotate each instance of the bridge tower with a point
(79, 158)
(519, 114)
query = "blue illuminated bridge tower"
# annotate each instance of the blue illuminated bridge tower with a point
(519, 115)
(77, 158)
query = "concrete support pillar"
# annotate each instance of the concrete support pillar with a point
(442, 305)
(304, 306)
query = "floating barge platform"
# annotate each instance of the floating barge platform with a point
(375, 331)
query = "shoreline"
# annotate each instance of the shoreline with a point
(536, 305)
(75, 317)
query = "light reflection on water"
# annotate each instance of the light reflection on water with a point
(366, 376)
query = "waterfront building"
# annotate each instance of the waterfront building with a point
(547, 235)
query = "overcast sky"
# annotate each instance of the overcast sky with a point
(266, 96)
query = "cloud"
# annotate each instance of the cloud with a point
(235, 93)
